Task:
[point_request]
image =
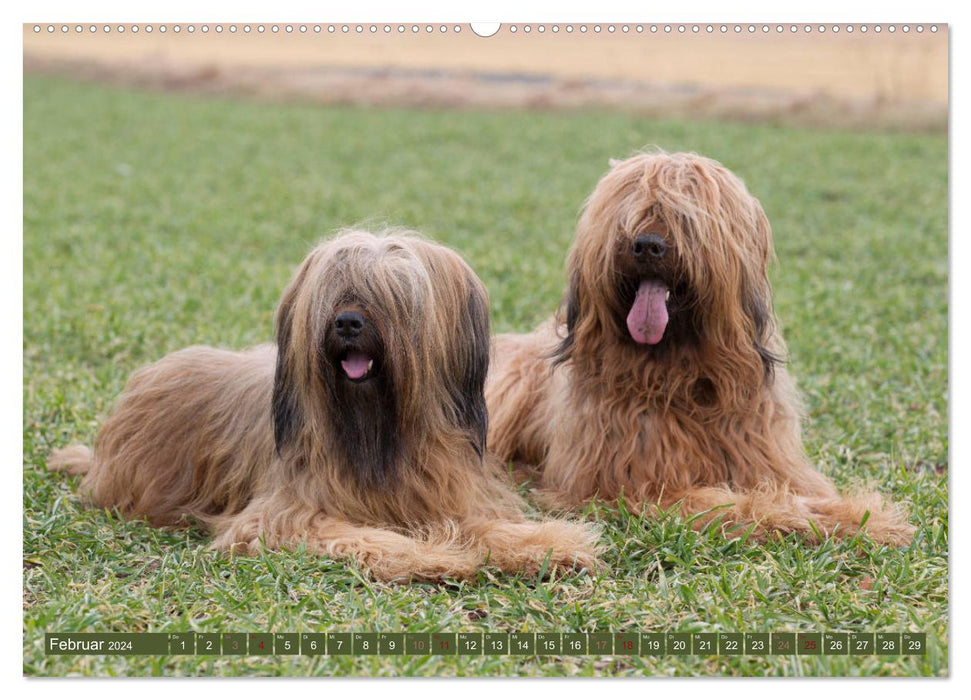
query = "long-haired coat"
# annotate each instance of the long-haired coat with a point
(361, 433)
(661, 379)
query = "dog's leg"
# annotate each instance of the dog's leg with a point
(391, 556)
(388, 555)
(75, 459)
(777, 510)
(525, 546)
(883, 523)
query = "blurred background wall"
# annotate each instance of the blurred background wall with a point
(846, 79)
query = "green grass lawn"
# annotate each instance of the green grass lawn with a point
(152, 222)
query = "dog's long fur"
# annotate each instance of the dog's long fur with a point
(277, 445)
(707, 416)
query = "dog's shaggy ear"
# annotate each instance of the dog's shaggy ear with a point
(287, 415)
(475, 413)
(757, 295)
(467, 388)
(569, 314)
(759, 310)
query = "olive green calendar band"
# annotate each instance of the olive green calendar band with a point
(488, 644)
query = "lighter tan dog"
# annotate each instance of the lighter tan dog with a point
(661, 379)
(361, 433)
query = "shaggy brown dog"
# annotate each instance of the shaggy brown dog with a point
(661, 378)
(361, 433)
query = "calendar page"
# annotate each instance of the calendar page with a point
(424, 348)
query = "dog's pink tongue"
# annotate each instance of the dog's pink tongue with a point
(648, 315)
(356, 364)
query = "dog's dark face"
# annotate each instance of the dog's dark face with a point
(671, 251)
(361, 395)
(654, 298)
(353, 349)
(379, 341)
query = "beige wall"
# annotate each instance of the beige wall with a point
(882, 66)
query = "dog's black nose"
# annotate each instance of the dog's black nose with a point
(348, 324)
(649, 245)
